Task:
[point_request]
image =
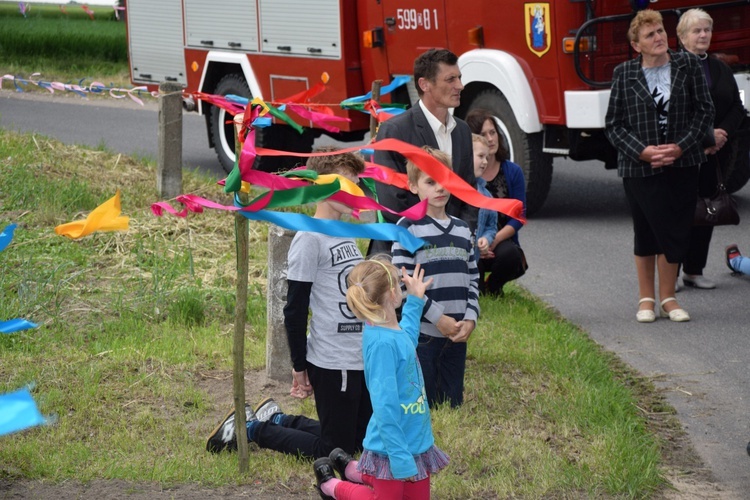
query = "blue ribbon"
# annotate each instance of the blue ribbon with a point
(397, 82)
(6, 236)
(18, 411)
(301, 222)
(261, 121)
(16, 325)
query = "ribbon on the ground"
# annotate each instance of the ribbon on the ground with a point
(16, 325)
(80, 89)
(301, 222)
(105, 217)
(18, 411)
(6, 236)
(432, 167)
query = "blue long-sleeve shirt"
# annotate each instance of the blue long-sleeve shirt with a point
(400, 425)
(487, 221)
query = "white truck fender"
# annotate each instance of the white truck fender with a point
(502, 71)
(232, 58)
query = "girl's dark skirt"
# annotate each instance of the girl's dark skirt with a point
(662, 207)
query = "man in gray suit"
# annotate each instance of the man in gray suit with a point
(429, 123)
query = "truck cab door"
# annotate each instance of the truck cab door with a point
(412, 27)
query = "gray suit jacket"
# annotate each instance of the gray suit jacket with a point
(412, 127)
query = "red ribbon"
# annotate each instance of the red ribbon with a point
(432, 167)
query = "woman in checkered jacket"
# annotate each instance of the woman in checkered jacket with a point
(659, 118)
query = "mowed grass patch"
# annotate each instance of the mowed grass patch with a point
(133, 354)
(66, 48)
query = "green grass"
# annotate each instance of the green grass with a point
(136, 325)
(63, 48)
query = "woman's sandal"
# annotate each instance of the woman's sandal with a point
(678, 315)
(646, 315)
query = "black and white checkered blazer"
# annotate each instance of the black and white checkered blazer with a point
(632, 120)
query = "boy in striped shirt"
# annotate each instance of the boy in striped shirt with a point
(452, 305)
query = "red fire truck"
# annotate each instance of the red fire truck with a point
(543, 68)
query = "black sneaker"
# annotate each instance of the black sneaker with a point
(340, 460)
(223, 436)
(323, 468)
(732, 251)
(267, 409)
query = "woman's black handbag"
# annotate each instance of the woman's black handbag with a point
(720, 209)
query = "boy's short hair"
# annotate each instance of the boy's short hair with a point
(344, 163)
(480, 139)
(414, 173)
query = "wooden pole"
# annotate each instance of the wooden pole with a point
(241, 229)
(169, 157)
(375, 97)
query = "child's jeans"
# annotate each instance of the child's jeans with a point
(443, 364)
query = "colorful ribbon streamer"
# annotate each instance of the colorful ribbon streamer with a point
(397, 82)
(80, 89)
(18, 411)
(6, 236)
(386, 175)
(352, 197)
(301, 222)
(432, 167)
(105, 217)
(16, 325)
(288, 197)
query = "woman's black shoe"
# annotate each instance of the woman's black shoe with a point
(323, 468)
(340, 460)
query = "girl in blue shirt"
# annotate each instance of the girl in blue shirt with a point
(399, 449)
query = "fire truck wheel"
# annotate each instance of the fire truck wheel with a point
(285, 138)
(525, 149)
(222, 133)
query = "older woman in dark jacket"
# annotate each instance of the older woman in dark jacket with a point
(694, 31)
(658, 116)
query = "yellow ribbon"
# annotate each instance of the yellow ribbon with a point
(346, 185)
(105, 217)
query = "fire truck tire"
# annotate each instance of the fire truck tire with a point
(525, 149)
(285, 138)
(222, 133)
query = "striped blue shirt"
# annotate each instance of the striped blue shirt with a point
(448, 258)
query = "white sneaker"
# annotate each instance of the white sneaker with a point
(698, 281)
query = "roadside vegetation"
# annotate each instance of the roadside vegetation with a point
(64, 47)
(133, 355)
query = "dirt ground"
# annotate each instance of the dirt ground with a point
(689, 478)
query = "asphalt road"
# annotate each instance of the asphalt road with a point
(579, 249)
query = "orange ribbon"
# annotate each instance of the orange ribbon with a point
(432, 167)
(105, 217)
